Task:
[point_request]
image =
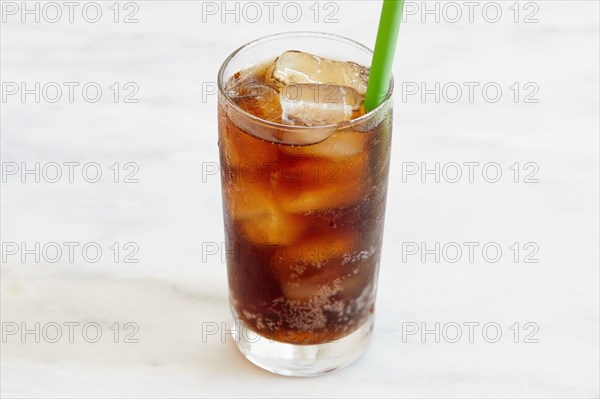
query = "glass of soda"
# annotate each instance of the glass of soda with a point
(304, 171)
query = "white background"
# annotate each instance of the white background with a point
(174, 211)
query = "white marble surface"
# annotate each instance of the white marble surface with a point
(171, 132)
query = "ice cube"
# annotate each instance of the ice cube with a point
(254, 210)
(259, 100)
(310, 288)
(325, 197)
(243, 150)
(338, 145)
(271, 226)
(299, 67)
(307, 267)
(328, 184)
(310, 104)
(312, 254)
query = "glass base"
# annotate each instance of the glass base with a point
(301, 360)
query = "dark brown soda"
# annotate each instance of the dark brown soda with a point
(303, 224)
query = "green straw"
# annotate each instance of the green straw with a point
(383, 56)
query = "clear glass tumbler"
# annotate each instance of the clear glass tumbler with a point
(304, 213)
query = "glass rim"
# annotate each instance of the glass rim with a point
(281, 126)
